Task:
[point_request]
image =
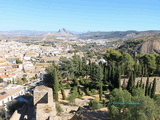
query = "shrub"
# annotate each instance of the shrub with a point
(71, 98)
(81, 81)
(59, 109)
(63, 93)
(19, 62)
(80, 92)
(92, 92)
(67, 86)
(47, 109)
(93, 104)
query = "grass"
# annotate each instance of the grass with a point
(47, 109)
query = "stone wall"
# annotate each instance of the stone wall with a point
(46, 111)
(67, 108)
(40, 97)
(43, 94)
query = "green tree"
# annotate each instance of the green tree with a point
(117, 83)
(63, 93)
(72, 97)
(19, 62)
(66, 66)
(147, 86)
(138, 92)
(147, 110)
(93, 104)
(149, 89)
(127, 63)
(113, 55)
(131, 82)
(144, 111)
(55, 84)
(119, 112)
(153, 90)
(150, 62)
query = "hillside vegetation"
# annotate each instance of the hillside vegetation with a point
(142, 45)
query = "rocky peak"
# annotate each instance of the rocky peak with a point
(64, 31)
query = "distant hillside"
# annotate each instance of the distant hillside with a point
(62, 34)
(117, 34)
(142, 45)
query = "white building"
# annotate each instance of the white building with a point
(10, 93)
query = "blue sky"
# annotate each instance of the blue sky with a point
(80, 15)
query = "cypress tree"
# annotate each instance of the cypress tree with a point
(109, 74)
(105, 75)
(112, 76)
(134, 77)
(143, 86)
(117, 83)
(100, 91)
(147, 86)
(149, 89)
(55, 84)
(153, 90)
(63, 93)
(137, 84)
(130, 83)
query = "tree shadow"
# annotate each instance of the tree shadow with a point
(95, 115)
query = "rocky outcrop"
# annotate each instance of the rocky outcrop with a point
(61, 33)
(151, 46)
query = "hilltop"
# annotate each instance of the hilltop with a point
(142, 45)
(118, 34)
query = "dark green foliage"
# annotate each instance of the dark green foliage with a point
(137, 84)
(127, 63)
(72, 97)
(153, 89)
(129, 46)
(145, 111)
(81, 81)
(150, 62)
(63, 93)
(117, 83)
(138, 92)
(59, 108)
(90, 92)
(80, 92)
(157, 99)
(100, 92)
(19, 62)
(104, 103)
(147, 86)
(55, 85)
(149, 89)
(119, 112)
(143, 86)
(67, 86)
(93, 104)
(67, 67)
(131, 82)
(75, 82)
(113, 55)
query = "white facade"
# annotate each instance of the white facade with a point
(10, 93)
